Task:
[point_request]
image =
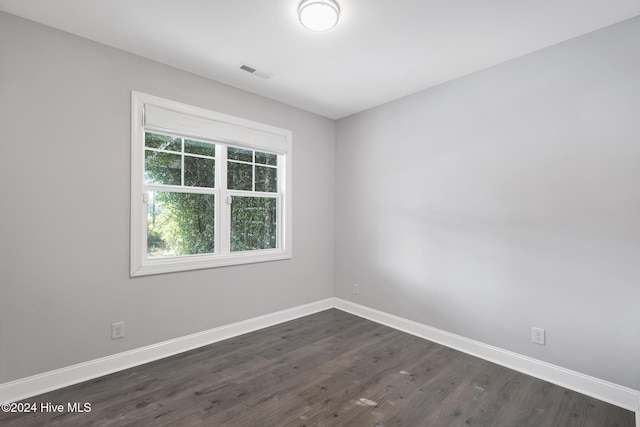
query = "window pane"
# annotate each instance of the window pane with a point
(239, 154)
(199, 172)
(180, 224)
(239, 176)
(163, 142)
(253, 223)
(266, 158)
(266, 179)
(199, 147)
(162, 168)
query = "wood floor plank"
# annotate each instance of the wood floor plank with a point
(328, 369)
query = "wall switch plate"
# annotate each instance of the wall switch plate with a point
(538, 336)
(117, 330)
(356, 289)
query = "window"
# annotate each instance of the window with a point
(207, 189)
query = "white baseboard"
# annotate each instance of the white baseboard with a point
(603, 390)
(615, 394)
(52, 380)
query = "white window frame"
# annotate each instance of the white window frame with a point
(155, 114)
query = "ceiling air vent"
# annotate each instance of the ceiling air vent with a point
(251, 70)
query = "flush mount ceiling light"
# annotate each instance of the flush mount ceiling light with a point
(319, 15)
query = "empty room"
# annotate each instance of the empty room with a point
(320, 213)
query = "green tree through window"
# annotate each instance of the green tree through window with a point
(183, 223)
(179, 223)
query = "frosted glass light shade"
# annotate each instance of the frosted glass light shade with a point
(319, 15)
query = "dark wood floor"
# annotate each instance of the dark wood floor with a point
(327, 369)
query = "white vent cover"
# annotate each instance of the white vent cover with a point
(252, 70)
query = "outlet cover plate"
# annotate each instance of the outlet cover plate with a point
(117, 330)
(538, 336)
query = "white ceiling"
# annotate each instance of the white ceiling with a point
(379, 51)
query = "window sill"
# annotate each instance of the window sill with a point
(197, 262)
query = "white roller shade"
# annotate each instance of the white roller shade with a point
(192, 124)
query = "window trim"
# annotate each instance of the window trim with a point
(200, 123)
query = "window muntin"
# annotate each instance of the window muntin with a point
(250, 170)
(172, 160)
(215, 188)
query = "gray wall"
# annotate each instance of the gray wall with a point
(64, 191)
(506, 199)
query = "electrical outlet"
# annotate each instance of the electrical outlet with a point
(117, 330)
(356, 289)
(538, 336)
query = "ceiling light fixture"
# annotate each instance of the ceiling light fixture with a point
(319, 15)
